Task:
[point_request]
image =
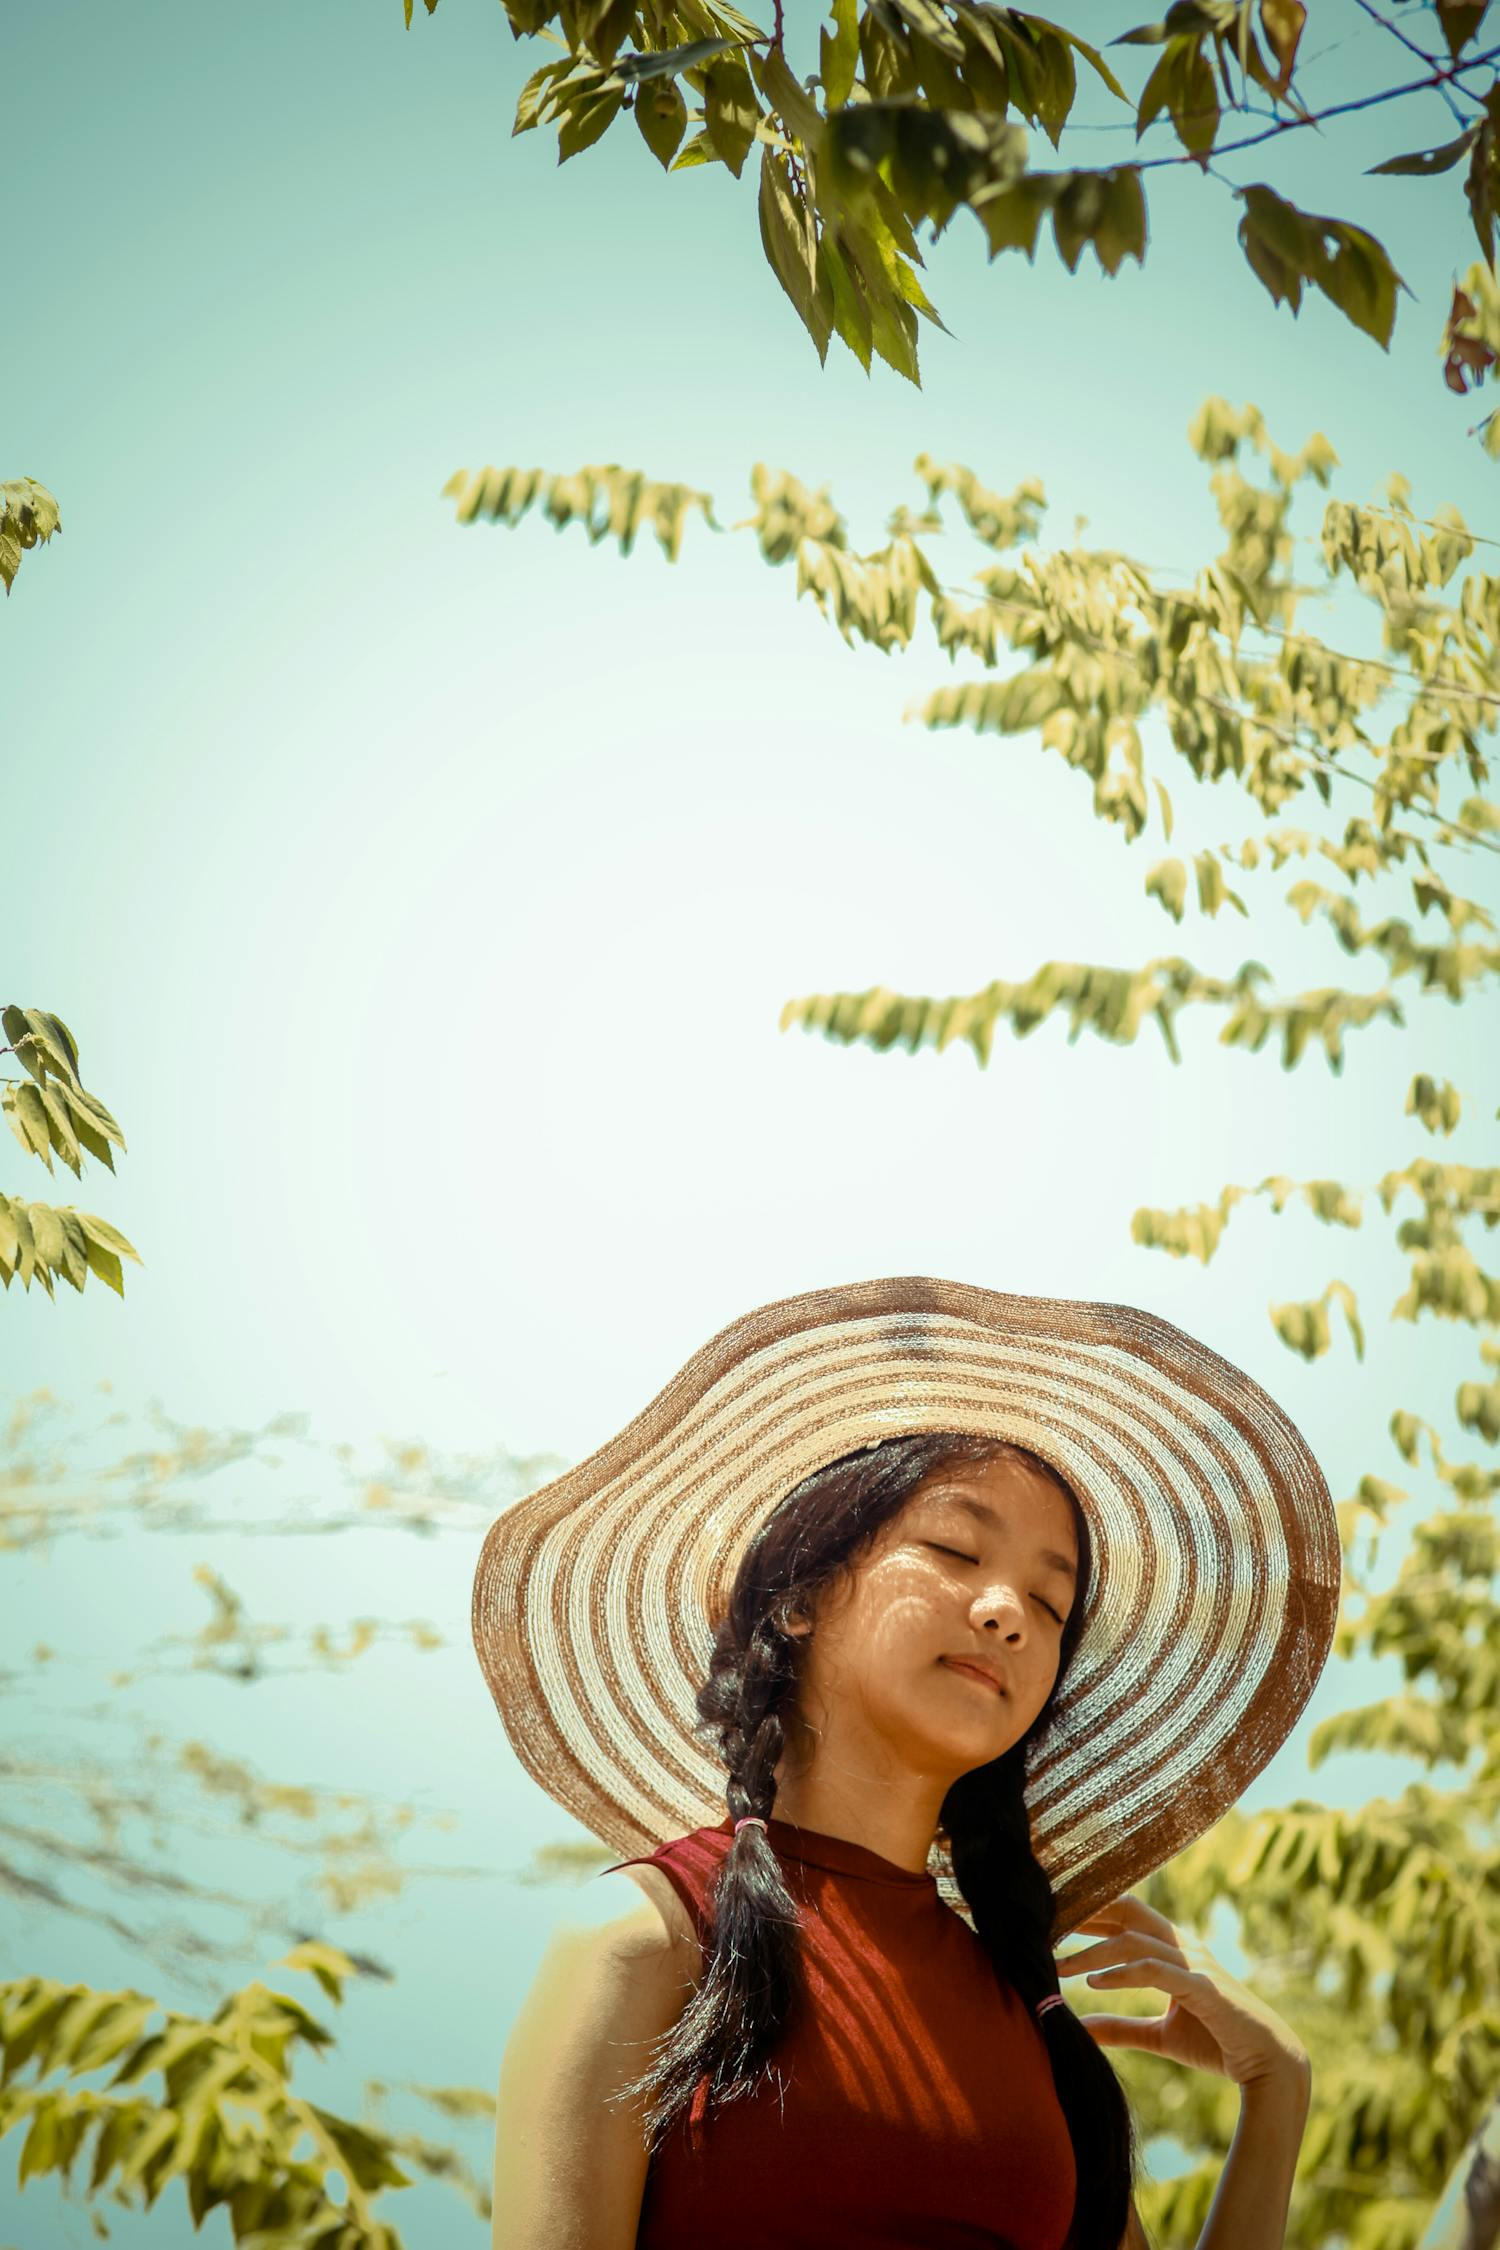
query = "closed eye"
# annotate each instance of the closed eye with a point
(938, 1548)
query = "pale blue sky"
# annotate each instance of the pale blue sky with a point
(423, 900)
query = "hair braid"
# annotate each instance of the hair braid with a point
(1009, 1894)
(719, 2046)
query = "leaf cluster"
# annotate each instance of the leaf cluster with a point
(917, 109)
(1219, 671)
(53, 1112)
(28, 518)
(228, 2124)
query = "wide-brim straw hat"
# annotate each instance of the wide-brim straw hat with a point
(1209, 1612)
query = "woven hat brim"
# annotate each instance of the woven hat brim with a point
(1210, 1611)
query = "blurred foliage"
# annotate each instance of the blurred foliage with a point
(227, 2123)
(144, 1799)
(28, 518)
(53, 1111)
(1376, 1932)
(1218, 665)
(916, 109)
(109, 1832)
(1471, 342)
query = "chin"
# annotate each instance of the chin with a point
(976, 1744)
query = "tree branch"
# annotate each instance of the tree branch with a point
(1413, 49)
(1438, 78)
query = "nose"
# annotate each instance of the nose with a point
(999, 1608)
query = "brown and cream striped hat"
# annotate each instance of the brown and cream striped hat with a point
(1209, 1613)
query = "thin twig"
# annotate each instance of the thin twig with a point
(1335, 109)
(1287, 735)
(1413, 49)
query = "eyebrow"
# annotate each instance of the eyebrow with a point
(986, 1514)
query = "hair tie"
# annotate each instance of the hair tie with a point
(1054, 2000)
(751, 1820)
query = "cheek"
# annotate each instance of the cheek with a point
(899, 1609)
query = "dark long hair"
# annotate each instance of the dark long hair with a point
(721, 2045)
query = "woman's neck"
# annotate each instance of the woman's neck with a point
(894, 1814)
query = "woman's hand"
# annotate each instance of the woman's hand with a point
(1212, 2021)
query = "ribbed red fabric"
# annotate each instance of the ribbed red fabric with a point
(916, 2108)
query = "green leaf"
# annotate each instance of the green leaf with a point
(28, 517)
(1011, 220)
(1275, 239)
(699, 150)
(873, 257)
(105, 1264)
(1091, 56)
(535, 98)
(794, 106)
(1184, 80)
(1039, 67)
(730, 111)
(1213, 891)
(591, 110)
(1360, 279)
(1076, 214)
(1460, 20)
(929, 22)
(1286, 247)
(1156, 92)
(1437, 1103)
(786, 233)
(108, 1237)
(886, 58)
(1121, 229)
(661, 114)
(1427, 162)
(362, 2154)
(941, 80)
(934, 159)
(1482, 183)
(1185, 19)
(594, 27)
(839, 52)
(527, 17)
(1283, 22)
(851, 314)
(1167, 882)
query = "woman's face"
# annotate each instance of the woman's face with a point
(974, 1569)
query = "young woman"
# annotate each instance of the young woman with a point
(775, 2028)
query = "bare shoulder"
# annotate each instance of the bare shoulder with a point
(634, 1911)
(570, 2145)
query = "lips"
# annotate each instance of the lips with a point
(975, 1672)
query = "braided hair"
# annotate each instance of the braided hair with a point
(722, 2045)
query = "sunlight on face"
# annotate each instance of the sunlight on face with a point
(976, 1566)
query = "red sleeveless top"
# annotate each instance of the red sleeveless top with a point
(916, 2108)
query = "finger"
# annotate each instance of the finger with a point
(1118, 1951)
(1130, 1911)
(1158, 1973)
(1125, 2031)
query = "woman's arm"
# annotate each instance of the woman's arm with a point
(570, 2164)
(1249, 2209)
(1255, 2188)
